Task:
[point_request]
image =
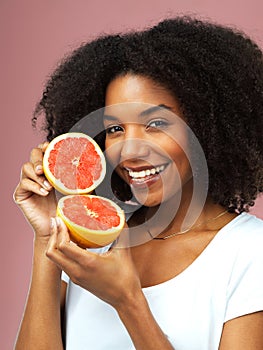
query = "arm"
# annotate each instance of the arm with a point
(141, 325)
(40, 327)
(243, 333)
(243, 328)
(41, 324)
(94, 273)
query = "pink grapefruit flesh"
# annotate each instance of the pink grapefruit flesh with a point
(92, 221)
(74, 163)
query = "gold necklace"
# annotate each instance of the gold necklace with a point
(184, 231)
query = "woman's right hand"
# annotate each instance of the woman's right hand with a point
(34, 195)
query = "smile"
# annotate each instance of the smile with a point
(147, 172)
(144, 176)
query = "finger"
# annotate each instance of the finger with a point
(52, 248)
(52, 244)
(36, 157)
(70, 249)
(43, 146)
(28, 171)
(52, 252)
(26, 188)
(63, 261)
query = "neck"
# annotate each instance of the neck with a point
(179, 215)
(171, 213)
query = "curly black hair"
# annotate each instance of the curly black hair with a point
(216, 74)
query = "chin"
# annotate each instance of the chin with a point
(147, 199)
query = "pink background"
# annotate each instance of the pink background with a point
(34, 36)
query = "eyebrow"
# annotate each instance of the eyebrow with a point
(144, 113)
(154, 109)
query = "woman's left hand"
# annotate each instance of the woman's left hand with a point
(111, 276)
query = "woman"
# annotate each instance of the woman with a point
(195, 287)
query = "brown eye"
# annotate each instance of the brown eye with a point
(157, 124)
(113, 129)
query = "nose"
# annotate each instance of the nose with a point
(134, 148)
(134, 144)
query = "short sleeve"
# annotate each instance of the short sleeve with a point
(245, 289)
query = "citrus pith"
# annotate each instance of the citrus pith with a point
(74, 163)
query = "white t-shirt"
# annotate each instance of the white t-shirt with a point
(224, 282)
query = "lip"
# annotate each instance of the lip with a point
(145, 182)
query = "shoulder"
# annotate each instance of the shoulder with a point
(236, 252)
(244, 240)
(246, 231)
(245, 285)
(248, 220)
(249, 244)
(241, 251)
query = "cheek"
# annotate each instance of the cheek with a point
(171, 150)
(112, 152)
(179, 158)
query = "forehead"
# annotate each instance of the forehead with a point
(135, 97)
(136, 111)
(139, 89)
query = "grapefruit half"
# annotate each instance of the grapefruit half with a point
(74, 163)
(92, 221)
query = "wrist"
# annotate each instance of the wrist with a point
(142, 326)
(133, 304)
(40, 258)
(41, 242)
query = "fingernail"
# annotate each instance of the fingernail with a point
(46, 184)
(58, 221)
(52, 223)
(39, 168)
(43, 190)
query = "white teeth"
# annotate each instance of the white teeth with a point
(143, 173)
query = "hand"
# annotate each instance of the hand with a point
(112, 276)
(34, 195)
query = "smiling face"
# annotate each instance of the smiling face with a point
(143, 134)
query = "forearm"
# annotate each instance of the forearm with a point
(41, 325)
(142, 327)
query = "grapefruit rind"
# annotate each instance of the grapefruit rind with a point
(88, 238)
(56, 183)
